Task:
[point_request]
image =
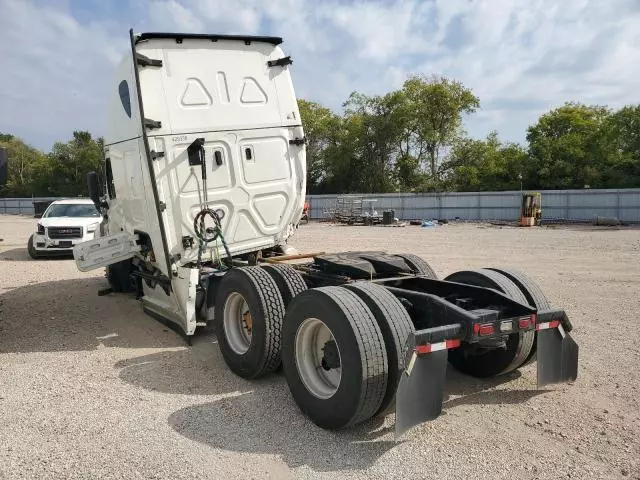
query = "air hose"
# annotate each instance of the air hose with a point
(206, 235)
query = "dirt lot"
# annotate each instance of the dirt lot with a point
(90, 387)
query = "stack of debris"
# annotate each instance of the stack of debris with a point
(352, 210)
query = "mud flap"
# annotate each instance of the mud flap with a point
(421, 386)
(419, 395)
(557, 355)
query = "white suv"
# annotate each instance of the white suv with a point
(64, 224)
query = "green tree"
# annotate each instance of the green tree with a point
(25, 165)
(435, 106)
(485, 165)
(320, 127)
(70, 162)
(620, 147)
(377, 139)
(565, 147)
(342, 157)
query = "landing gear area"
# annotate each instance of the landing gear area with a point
(361, 333)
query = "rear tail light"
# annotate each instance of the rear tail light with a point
(486, 329)
(526, 322)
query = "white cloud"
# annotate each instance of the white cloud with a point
(54, 72)
(520, 58)
(171, 15)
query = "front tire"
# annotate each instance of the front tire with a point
(334, 357)
(33, 253)
(119, 276)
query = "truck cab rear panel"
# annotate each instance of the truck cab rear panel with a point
(175, 88)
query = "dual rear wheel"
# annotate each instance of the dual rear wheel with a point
(519, 348)
(341, 347)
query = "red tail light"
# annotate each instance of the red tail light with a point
(486, 329)
(524, 322)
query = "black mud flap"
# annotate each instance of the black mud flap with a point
(421, 386)
(419, 395)
(557, 356)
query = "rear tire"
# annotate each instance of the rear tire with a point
(248, 315)
(333, 399)
(33, 253)
(418, 265)
(395, 325)
(535, 297)
(289, 281)
(119, 277)
(498, 361)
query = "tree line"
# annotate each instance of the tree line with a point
(408, 140)
(412, 140)
(59, 173)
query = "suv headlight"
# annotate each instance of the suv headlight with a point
(40, 229)
(93, 227)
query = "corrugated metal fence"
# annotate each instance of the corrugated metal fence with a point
(557, 204)
(582, 205)
(20, 206)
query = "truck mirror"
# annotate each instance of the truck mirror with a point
(94, 188)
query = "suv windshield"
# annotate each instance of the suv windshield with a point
(72, 210)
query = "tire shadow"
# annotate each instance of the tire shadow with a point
(267, 421)
(264, 418)
(22, 255)
(68, 315)
(198, 369)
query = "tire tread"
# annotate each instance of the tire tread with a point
(273, 308)
(373, 354)
(418, 265)
(393, 320)
(290, 279)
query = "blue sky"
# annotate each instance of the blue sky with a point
(520, 57)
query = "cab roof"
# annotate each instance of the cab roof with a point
(206, 36)
(73, 201)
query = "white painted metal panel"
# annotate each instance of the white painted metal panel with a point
(223, 85)
(224, 92)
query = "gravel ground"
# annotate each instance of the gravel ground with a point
(90, 387)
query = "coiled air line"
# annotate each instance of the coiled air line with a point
(196, 155)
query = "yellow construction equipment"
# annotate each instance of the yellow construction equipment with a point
(531, 209)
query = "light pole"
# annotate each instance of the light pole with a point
(520, 178)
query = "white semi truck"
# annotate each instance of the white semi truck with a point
(202, 185)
